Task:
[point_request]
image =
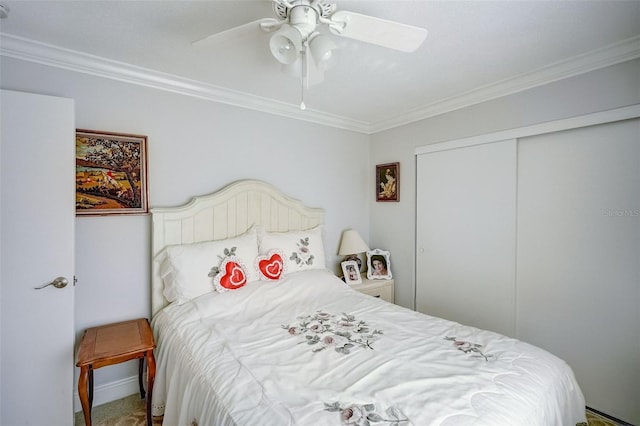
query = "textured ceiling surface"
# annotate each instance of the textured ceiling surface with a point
(471, 47)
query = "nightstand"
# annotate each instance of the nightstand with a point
(384, 289)
(112, 344)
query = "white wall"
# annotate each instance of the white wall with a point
(195, 147)
(393, 224)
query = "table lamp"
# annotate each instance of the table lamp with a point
(351, 245)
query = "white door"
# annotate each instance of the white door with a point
(579, 257)
(37, 236)
(465, 235)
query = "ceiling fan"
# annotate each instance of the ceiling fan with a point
(300, 43)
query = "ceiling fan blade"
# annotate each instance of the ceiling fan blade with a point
(381, 32)
(240, 32)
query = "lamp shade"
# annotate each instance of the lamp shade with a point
(352, 243)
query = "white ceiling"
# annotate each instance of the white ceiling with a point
(475, 51)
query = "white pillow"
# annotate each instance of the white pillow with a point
(302, 250)
(186, 269)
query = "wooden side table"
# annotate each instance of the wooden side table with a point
(112, 344)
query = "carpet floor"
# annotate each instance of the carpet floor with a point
(130, 411)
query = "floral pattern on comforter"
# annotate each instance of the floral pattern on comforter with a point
(366, 414)
(468, 347)
(343, 333)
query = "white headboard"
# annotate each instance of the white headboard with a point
(226, 213)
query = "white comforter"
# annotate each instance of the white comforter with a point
(309, 350)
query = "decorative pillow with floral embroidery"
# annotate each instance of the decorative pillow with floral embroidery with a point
(302, 250)
(271, 266)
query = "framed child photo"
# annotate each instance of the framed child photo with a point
(351, 272)
(378, 265)
(388, 182)
(111, 173)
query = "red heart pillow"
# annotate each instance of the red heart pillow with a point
(231, 276)
(271, 266)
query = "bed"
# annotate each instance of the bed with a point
(252, 328)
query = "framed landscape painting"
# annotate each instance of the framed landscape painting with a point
(111, 173)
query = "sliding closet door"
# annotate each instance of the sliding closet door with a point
(465, 224)
(578, 287)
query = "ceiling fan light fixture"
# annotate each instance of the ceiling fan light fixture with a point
(294, 69)
(322, 48)
(315, 77)
(304, 18)
(286, 44)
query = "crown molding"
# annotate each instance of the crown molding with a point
(50, 55)
(623, 51)
(54, 56)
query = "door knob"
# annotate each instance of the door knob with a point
(60, 282)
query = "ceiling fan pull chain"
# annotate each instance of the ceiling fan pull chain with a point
(302, 105)
(303, 74)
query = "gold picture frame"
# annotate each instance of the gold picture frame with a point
(111, 173)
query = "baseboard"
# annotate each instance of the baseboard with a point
(108, 392)
(608, 417)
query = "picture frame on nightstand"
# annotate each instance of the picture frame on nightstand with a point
(351, 272)
(378, 265)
